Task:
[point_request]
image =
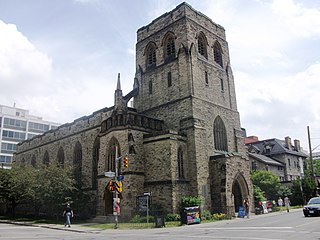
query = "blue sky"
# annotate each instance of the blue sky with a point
(60, 58)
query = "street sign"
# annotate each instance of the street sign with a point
(109, 174)
(120, 178)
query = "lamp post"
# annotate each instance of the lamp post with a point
(116, 202)
(310, 151)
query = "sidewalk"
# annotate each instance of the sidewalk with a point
(84, 227)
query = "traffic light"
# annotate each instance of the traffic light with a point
(125, 161)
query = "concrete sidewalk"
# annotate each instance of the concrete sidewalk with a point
(84, 227)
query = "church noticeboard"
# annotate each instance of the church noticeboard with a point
(241, 212)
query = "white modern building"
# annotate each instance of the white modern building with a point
(16, 125)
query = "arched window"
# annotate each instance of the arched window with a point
(33, 161)
(60, 157)
(95, 160)
(217, 51)
(45, 159)
(180, 164)
(111, 155)
(77, 162)
(202, 45)
(169, 47)
(220, 135)
(151, 57)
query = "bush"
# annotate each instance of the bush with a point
(173, 217)
(141, 219)
(206, 215)
(190, 201)
(220, 216)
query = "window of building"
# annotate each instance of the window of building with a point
(151, 55)
(13, 135)
(77, 162)
(220, 135)
(169, 78)
(202, 45)
(14, 123)
(111, 155)
(60, 157)
(5, 159)
(169, 47)
(221, 84)
(34, 161)
(95, 161)
(289, 162)
(33, 126)
(217, 51)
(150, 87)
(206, 77)
(132, 150)
(46, 159)
(180, 164)
(8, 147)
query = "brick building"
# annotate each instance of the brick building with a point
(182, 135)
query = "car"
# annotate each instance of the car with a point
(312, 208)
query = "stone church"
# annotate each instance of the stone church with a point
(182, 134)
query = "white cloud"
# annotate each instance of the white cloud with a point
(302, 21)
(23, 69)
(281, 105)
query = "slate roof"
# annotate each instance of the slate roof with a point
(265, 159)
(276, 146)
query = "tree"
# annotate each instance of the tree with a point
(267, 181)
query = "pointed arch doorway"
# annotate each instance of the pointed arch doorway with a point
(240, 191)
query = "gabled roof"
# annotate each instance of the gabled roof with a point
(266, 160)
(275, 146)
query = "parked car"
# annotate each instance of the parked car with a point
(312, 208)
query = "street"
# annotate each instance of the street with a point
(274, 226)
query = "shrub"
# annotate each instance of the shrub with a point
(190, 201)
(173, 217)
(206, 215)
(220, 216)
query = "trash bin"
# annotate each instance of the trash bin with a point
(190, 215)
(159, 221)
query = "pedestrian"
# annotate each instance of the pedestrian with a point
(68, 213)
(246, 207)
(280, 203)
(287, 203)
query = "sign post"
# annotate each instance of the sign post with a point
(147, 194)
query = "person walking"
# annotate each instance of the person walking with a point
(68, 213)
(280, 203)
(246, 206)
(287, 203)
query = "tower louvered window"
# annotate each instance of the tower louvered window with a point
(220, 135)
(151, 55)
(170, 46)
(202, 46)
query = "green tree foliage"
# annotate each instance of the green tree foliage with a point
(267, 181)
(190, 201)
(258, 194)
(44, 188)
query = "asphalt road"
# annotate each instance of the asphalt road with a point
(274, 226)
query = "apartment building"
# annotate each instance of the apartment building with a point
(16, 125)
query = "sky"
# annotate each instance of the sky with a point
(60, 58)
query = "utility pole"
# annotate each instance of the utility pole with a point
(116, 191)
(310, 151)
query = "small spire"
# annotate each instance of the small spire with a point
(118, 82)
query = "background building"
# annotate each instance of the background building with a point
(16, 125)
(279, 156)
(183, 135)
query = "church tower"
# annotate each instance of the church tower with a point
(185, 79)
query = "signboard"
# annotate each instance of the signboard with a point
(241, 212)
(142, 203)
(109, 174)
